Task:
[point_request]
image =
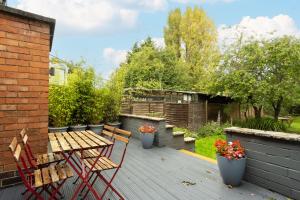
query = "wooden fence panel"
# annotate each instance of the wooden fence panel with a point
(197, 115)
(177, 114)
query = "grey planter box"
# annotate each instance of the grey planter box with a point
(57, 129)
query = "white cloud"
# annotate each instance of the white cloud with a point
(83, 15)
(258, 28)
(114, 57)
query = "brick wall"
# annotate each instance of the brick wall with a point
(24, 69)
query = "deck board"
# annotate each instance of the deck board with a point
(157, 174)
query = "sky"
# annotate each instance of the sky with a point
(103, 31)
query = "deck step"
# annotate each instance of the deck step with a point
(169, 126)
(178, 133)
(189, 143)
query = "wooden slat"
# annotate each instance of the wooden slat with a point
(110, 162)
(13, 144)
(25, 139)
(71, 141)
(23, 132)
(79, 141)
(54, 143)
(68, 171)
(38, 178)
(63, 143)
(106, 164)
(45, 158)
(123, 132)
(121, 138)
(95, 139)
(18, 152)
(61, 172)
(90, 142)
(100, 137)
(46, 177)
(51, 157)
(110, 128)
(39, 159)
(107, 133)
(53, 173)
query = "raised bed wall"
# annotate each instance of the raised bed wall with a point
(133, 122)
(273, 159)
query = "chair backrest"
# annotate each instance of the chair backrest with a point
(28, 152)
(122, 135)
(15, 149)
(108, 131)
(24, 135)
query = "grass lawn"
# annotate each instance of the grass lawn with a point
(205, 146)
(295, 126)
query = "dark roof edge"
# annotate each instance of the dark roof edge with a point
(33, 16)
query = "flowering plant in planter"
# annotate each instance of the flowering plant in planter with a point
(147, 129)
(230, 150)
(231, 161)
(147, 135)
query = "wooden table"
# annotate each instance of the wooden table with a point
(288, 120)
(68, 143)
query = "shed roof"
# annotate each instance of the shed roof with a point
(29, 15)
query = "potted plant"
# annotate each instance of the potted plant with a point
(96, 113)
(60, 108)
(231, 161)
(147, 135)
(111, 108)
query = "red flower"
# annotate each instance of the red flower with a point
(230, 150)
(147, 129)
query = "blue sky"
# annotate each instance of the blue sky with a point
(101, 31)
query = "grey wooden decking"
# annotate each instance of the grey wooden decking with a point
(164, 173)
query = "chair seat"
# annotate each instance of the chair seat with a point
(50, 174)
(91, 153)
(48, 158)
(103, 163)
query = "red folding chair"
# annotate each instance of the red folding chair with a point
(106, 163)
(39, 179)
(40, 160)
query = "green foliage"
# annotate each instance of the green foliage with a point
(61, 105)
(264, 123)
(261, 73)
(209, 129)
(153, 68)
(212, 128)
(205, 146)
(295, 126)
(112, 94)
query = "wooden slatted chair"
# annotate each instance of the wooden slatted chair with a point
(106, 163)
(39, 160)
(39, 179)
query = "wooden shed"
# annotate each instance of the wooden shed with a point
(180, 108)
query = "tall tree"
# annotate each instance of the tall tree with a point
(172, 32)
(194, 37)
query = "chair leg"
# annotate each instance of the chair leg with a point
(23, 193)
(85, 185)
(109, 185)
(93, 182)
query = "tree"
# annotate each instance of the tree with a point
(153, 68)
(261, 73)
(194, 37)
(172, 32)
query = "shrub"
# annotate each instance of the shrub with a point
(211, 128)
(264, 123)
(61, 105)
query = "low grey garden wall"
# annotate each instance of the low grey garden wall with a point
(273, 159)
(133, 122)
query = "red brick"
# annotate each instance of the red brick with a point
(29, 94)
(9, 68)
(17, 88)
(40, 29)
(3, 87)
(44, 106)
(27, 82)
(28, 119)
(4, 54)
(39, 64)
(24, 57)
(2, 34)
(24, 69)
(3, 47)
(28, 107)
(16, 100)
(2, 61)
(9, 42)
(8, 107)
(8, 120)
(8, 127)
(16, 62)
(17, 75)
(39, 52)
(2, 99)
(39, 76)
(8, 94)
(44, 83)
(38, 88)
(7, 81)
(17, 49)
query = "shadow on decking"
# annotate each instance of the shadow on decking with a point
(164, 173)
